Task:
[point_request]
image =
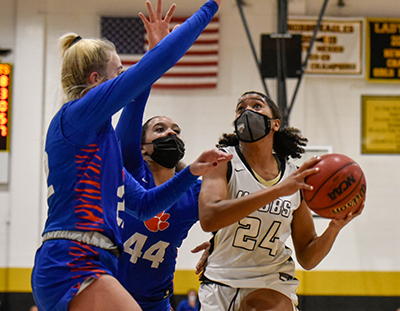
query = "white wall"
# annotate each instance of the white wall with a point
(327, 110)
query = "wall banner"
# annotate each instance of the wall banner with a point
(337, 48)
(383, 50)
(380, 125)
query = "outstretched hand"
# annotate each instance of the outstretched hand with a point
(202, 263)
(208, 160)
(157, 27)
(218, 2)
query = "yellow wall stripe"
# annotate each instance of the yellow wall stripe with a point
(322, 283)
(312, 283)
(348, 283)
(3, 280)
(15, 280)
(185, 280)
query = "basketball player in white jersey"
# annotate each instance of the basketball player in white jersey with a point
(252, 205)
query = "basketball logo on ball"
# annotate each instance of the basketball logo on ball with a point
(339, 187)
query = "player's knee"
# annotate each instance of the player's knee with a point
(265, 300)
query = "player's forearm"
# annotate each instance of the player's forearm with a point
(145, 204)
(216, 214)
(317, 249)
(129, 132)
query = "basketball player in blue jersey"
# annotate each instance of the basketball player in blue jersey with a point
(252, 205)
(89, 191)
(151, 247)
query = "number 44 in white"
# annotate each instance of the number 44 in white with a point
(154, 253)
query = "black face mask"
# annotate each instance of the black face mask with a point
(251, 126)
(168, 150)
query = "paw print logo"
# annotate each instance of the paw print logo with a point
(158, 222)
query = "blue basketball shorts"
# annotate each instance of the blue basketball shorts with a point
(61, 266)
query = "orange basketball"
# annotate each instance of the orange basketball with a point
(339, 187)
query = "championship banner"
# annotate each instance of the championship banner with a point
(383, 50)
(380, 125)
(337, 48)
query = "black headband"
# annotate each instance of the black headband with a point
(75, 41)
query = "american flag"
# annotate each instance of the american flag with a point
(197, 69)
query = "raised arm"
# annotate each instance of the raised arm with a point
(99, 104)
(129, 132)
(162, 57)
(216, 211)
(129, 128)
(157, 27)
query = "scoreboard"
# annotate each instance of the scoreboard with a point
(5, 105)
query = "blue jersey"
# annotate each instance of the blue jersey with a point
(88, 188)
(150, 247)
(88, 185)
(86, 182)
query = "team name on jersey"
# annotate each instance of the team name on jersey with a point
(277, 207)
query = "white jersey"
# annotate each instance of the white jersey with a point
(246, 253)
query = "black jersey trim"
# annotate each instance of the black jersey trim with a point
(281, 164)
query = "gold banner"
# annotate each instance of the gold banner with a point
(381, 124)
(383, 50)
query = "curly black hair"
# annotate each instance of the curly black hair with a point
(287, 141)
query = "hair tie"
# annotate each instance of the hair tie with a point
(76, 40)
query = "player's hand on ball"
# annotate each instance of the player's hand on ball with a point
(296, 181)
(339, 188)
(340, 223)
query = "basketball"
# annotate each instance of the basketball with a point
(339, 187)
